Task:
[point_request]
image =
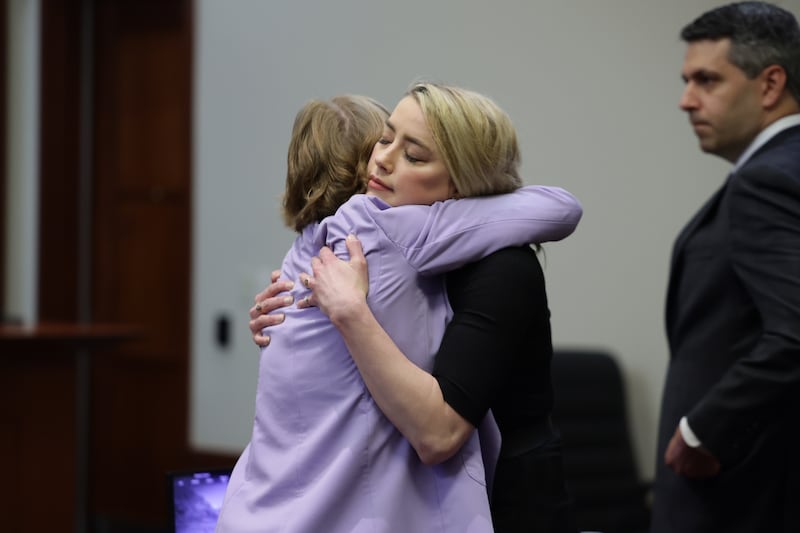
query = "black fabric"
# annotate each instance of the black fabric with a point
(532, 495)
(496, 351)
(496, 354)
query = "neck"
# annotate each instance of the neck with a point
(786, 106)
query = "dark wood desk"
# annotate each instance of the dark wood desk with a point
(44, 422)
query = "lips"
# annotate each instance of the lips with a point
(377, 184)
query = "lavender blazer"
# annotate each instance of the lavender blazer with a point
(322, 456)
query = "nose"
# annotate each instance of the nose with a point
(383, 158)
(688, 99)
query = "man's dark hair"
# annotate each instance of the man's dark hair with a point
(761, 35)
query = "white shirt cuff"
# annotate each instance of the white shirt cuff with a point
(688, 435)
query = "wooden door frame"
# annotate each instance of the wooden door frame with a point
(59, 138)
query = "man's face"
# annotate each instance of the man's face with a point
(724, 106)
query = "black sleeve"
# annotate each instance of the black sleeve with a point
(500, 317)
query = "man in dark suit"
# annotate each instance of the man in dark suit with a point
(729, 436)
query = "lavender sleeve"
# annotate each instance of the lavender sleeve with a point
(446, 235)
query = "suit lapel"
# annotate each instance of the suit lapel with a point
(680, 244)
(701, 217)
(709, 206)
(696, 221)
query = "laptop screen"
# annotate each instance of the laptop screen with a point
(195, 498)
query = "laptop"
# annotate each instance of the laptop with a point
(194, 498)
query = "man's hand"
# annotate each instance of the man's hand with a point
(266, 301)
(693, 463)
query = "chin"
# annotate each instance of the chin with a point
(707, 146)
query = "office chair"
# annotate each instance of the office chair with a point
(591, 414)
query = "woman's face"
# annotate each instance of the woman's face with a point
(406, 167)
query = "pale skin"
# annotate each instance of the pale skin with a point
(405, 168)
(727, 111)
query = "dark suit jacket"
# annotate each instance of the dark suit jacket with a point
(733, 325)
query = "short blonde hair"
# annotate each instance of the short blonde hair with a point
(328, 155)
(475, 137)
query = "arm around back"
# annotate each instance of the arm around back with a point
(409, 396)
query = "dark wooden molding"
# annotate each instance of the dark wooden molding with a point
(59, 164)
(47, 335)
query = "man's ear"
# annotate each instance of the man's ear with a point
(773, 80)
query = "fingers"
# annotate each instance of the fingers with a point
(264, 321)
(693, 463)
(270, 304)
(259, 325)
(275, 275)
(273, 289)
(357, 260)
(326, 255)
(355, 249)
(306, 302)
(261, 340)
(316, 263)
(306, 280)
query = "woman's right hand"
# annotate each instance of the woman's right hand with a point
(267, 301)
(339, 287)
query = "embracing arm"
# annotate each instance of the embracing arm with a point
(409, 396)
(448, 235)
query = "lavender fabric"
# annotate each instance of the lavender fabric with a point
(322, 456)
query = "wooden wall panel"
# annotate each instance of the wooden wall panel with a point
(37, 423)
(149, 261)
(141, 74)
(141, 250)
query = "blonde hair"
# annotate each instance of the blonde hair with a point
(328, 155)
(475, 137)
